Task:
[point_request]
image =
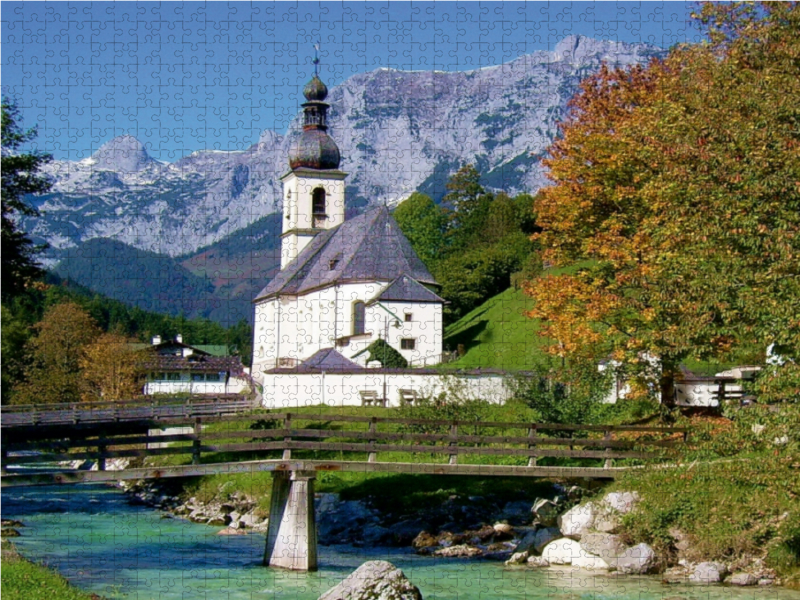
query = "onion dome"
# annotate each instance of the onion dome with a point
(315, 90)
(315, 149)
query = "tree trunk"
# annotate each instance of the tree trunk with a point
(667, 382)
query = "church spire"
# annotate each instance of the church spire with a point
(313, 190)
(315, 149)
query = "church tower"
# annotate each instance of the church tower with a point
(313, 190)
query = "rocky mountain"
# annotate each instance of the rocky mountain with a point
(398, 131)
(214, 212)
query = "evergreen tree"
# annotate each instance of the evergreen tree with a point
(19, 173)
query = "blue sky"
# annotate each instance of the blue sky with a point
(184, 76)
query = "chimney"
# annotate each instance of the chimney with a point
(156, 340)
(179, 338)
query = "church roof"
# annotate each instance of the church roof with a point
(407, 289)
(369, 247)
(329, 360)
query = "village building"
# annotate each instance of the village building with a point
(175, 367)
(343, 284)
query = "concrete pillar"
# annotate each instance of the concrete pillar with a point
(292, 533)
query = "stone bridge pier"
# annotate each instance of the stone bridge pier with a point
(292, 533)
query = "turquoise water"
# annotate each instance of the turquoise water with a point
(92, 536)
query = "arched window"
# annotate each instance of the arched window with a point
(359, 314)
(318, 202)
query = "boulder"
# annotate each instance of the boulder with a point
(605, 545)
(424, 541)
(681, 542)
(565, 551)
(743, 579)
(458, 551)
(9, 532)
(538, 561)
(607, 521)
(518, 558)
(545, 511)
(621, 502)
(516, 513)
(708, 572)
(636, 560)
(584, 560)
(561, 551)
(374, 580)
(231, 531)
(503, 531)
(12, 523)
(577, 520)
(544, 537)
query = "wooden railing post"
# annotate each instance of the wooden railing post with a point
(607, 438)
(532, 434)
(454, 443)
(196, 442)
(373, 427)
(101, 450)
(287, 425)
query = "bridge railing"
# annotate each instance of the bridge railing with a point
(355, 440)
(96, 412)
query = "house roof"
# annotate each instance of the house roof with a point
(407, 289)
(328, 359)
(196, 363)
(369, 247)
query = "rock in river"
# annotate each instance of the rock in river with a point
(374, 580)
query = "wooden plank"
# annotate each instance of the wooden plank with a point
(71, 477)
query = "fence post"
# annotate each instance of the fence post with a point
(721, 392)
(287, 425)
(373, 456)
(196, 442)
(607, 438)
(101, 450)
(532, 435)
(453, 442)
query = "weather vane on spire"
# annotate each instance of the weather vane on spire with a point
(316, 58)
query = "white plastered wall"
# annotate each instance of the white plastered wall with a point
(333, 389)
(294, 328)
(298, 188)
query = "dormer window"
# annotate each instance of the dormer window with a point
(333, 264)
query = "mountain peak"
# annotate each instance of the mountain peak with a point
(577, 48)
(124, 153)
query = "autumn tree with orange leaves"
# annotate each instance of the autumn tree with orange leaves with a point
(678, 184)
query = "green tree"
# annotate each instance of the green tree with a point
(678, 183)
(424, 224)
(19, 174)
(55, 352)
(382, 351)
(468, 205)
(16, 333)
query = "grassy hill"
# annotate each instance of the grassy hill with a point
(498, 334)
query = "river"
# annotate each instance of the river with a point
(102, 544)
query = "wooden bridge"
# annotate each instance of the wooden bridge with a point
(38, 447)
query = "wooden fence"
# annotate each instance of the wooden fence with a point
(299, 441)
(101, 412)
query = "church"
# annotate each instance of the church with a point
(343, 284)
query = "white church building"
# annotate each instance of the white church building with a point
(343, 284)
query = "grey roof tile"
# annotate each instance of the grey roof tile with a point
(369, 247)
(327, 359)
(408, 289)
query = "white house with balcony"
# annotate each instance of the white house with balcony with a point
(178, 368)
